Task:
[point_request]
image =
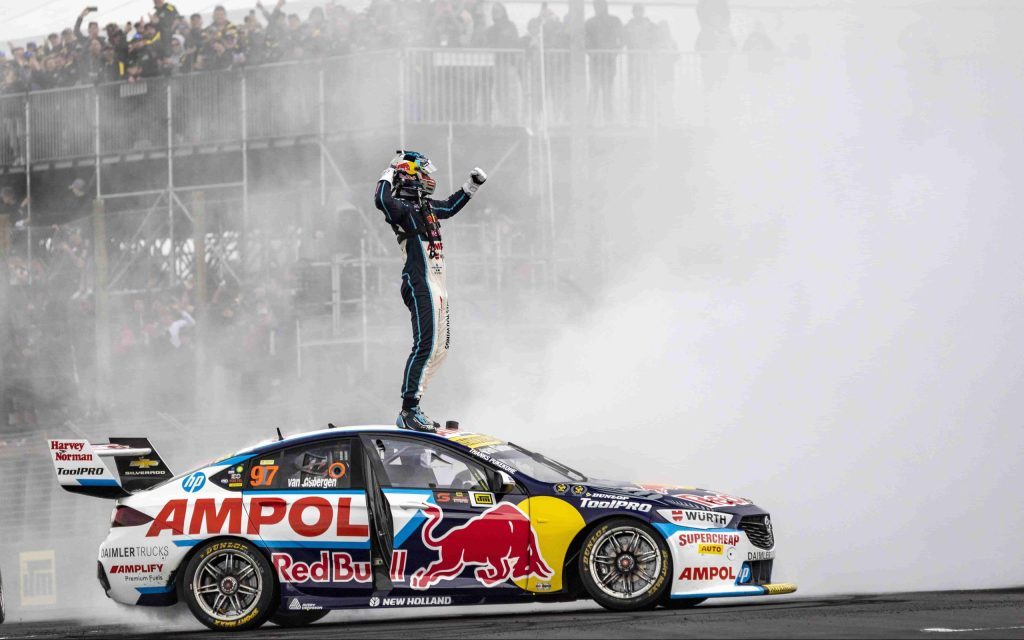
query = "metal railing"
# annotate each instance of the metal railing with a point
(506, 87)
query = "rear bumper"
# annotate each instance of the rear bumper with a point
(135, 570)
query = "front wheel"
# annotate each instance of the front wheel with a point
(296, 618)
(625, 565)
(229, 585)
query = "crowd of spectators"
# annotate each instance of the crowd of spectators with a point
(48, 367)
(169, 42)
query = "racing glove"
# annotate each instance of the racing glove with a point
(388, 176)
(476, 178)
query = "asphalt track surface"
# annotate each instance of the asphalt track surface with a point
(958, 614)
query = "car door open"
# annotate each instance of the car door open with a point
(452, 532)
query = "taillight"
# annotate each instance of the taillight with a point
(128, 517)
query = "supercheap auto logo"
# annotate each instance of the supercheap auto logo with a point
(728, 539)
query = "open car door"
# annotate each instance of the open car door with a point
(382, 529)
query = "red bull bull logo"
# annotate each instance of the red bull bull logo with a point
(499, 541)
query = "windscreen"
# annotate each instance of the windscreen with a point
(535, 465)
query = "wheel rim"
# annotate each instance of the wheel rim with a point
(227, 585)
(625, 563)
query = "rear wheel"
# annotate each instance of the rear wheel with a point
(625, 565)
(296, 618)
(229, 585)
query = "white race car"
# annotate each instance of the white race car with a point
(381, 517)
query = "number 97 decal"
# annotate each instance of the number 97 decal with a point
(262, 476)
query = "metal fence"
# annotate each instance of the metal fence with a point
(364, 91)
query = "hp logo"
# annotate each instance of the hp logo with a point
(744, 574)
(194, 482)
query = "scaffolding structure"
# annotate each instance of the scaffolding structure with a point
(174, 170)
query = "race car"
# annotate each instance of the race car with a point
(381, 517)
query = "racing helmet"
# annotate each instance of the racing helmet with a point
(413, 174)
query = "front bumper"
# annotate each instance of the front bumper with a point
(718, 563)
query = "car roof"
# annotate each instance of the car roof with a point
(323, 434)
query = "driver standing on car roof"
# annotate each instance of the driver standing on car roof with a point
(403, 196)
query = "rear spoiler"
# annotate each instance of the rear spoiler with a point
(81, 469)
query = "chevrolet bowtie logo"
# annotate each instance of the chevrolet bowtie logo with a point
(144, 463)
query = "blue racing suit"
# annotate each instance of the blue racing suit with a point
(424, 288)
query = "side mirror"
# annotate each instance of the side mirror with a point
(504, 483)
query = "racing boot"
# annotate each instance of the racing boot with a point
(414, 419)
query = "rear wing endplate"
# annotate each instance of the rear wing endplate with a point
(81, 468)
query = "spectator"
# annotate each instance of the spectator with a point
(73, 204)
(46, 76)
(218, 59)
(171, 64)
(92, 64)
(714, 41)
(276, 21)
(67, 276)
(603, 38)
(113, 69)
(52, 45)
(144, 53)
(9, 205)
(664, 71)
(13, 82)
(195, 38)
(502, 34)
(261, 49)
(447, 26)
(640, 36)
(221, 26)
(546, 25)
(166, 16)
(94, 28)
(760, 49)
(69, 42)
(185, 321)
(499, 82)
(640, 31)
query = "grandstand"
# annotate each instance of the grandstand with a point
(231, 203)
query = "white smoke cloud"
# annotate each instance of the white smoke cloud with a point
(822, 318)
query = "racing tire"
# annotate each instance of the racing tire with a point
(229, 585)
(3, 615)
(625, 565)
(683, 603)
(296, 618)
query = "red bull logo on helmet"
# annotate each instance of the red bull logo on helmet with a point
(500, 542)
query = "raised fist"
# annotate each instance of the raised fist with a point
(476, 178)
